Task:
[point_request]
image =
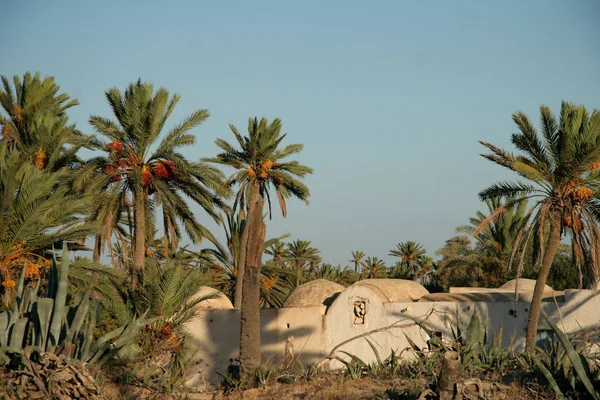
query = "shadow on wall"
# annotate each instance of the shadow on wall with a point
(378, 312)
(578, 313)
(292, 333)
(382, 311)
(216, 336)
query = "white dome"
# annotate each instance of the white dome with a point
(314, 293)
(215, 299)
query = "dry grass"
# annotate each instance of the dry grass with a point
(333, 388)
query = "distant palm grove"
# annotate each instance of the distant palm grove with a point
(123, 193)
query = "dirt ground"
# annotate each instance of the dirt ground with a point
(334, 388)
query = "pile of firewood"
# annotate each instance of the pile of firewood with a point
(49, 377)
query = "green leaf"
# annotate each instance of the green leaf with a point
(375, 351)
(574, 357)
(549, 377)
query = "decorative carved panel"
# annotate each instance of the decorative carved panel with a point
(360, 311)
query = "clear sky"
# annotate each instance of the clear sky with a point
(388, 97)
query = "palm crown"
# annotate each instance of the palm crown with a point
(38, 212)
(260, 159)
(561, 169)
(36, 124)
(497, 238)
(411, 254)
(136, 164)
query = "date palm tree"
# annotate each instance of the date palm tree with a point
(273, 289)
(411, 255)
(400, 270)
(277, 250)
(37, 213)
(148, 174)
(260, 168)
(344, 276)
(35, 123)
(560, 170)
(302, 258)
(357, 260)
(463, 265)
(374, 268)
(500, 234)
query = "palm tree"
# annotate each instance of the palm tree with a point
(411, 253)
(112, 211)
(499, 236)
(344, 276)
(357, 260)
(168, 292)
(374, 268)
(36, 124)
(401, 270)
(302, 257)
(463, 265)
(273, 289)
(560, 169)
(277, 250)
(425, 274)
(37, 214)
(137, 168)
(260, 168)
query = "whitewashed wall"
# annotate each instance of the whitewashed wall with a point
(316, 331)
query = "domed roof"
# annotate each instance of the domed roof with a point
(485, 297)
(314, 293)
(395, 290)
(215, 301)
(525, 285)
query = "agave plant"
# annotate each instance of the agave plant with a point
(49, 324)
(566, 364)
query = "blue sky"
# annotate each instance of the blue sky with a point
(388, 97)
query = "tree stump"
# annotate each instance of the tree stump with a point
(449, 375)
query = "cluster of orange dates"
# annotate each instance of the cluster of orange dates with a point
(168, 334)
(263, 171)
(582, 194)
(568, 221)
(9, 283)
(162, 169)
(32, 272)
(270, 282)
(40, 158)
(579, 193)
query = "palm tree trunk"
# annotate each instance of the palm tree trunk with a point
(97, 248)
(241, 264)
(241, 267)
(250, 304)
(538, 292)
(139, 233)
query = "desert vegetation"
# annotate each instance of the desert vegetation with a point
(97, 286)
